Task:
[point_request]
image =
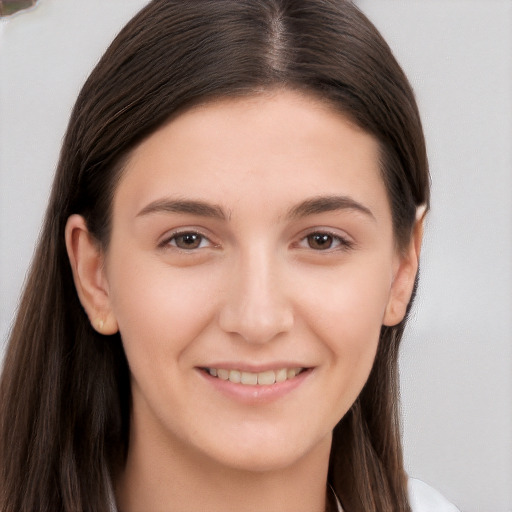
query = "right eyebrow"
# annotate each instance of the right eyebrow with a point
(192, 207)
(322, 204)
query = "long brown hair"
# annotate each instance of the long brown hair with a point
(65, 390)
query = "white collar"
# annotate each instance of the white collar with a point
(338, 504)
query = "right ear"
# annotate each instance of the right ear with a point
(87, 259)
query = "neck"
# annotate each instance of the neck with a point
(163, 474)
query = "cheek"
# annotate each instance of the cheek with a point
(348, 305)
(159, 310)
(347, 317)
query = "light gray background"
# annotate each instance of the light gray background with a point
(457, 355)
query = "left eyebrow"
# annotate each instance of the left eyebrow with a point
(322, 204)
(200, 208)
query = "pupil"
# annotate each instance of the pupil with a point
(320, 241)
(189, 240)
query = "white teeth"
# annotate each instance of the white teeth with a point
(249, 378)
(266, 378)
(290, 373)
(235, 376)
(223, 374)
(281, 375)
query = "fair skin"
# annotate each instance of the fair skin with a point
(251, 239)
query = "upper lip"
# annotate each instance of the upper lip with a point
(254, 368)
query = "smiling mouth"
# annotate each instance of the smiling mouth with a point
(265, 378)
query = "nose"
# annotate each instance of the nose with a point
(256, 307)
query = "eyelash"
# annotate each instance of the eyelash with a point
(340, 243)
(181, 234)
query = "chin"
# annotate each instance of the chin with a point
(263, 462)
(269, 455)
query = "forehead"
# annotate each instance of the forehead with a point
(267, 149)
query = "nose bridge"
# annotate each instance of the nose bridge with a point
(256, 305)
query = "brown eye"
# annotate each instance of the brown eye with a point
(320, 241)
(326, 241)
(188, 241)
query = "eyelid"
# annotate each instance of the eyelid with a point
(164, 242)
(345, 241)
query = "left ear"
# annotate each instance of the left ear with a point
(405, 275)
(86, 259)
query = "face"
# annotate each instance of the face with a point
(250, 269)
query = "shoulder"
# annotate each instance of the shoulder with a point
(425, 499)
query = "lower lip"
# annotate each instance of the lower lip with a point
(257, 393)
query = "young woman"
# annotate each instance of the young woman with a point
(214, 311)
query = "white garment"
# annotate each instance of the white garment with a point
(424, 499)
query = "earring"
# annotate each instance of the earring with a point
(420, 211)
(100, 324)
